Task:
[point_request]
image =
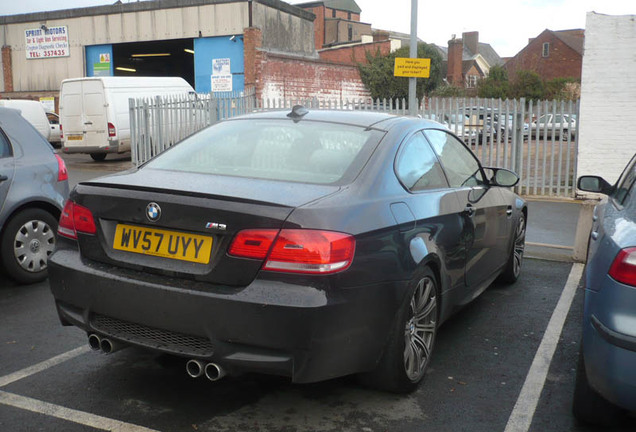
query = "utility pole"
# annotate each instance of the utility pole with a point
(413, 54)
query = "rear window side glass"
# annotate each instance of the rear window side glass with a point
(458, 162)
(5, 147)
(417, 166)
(626, 183)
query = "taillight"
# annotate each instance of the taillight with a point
(61, 131)
(75, 218)
(62, 172)
(253, 243)
(623, 268)
(111, 130)
(297, 250)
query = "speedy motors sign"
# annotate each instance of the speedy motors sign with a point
(47, 42)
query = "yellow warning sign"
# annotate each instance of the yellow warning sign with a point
(412, 67)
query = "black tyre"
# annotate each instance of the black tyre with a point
(512, 271)
(98, 157)
(408, 352)
(26, 243)
(587, 405)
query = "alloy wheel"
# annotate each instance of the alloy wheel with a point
(519, 247)
(420, 329)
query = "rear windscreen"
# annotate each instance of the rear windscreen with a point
(277, 149)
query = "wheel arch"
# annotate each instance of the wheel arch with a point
(42, 205)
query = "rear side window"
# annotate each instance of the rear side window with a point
(625, 183)
(459, 163)
(5, 147)
(417, 166)
(276, 149)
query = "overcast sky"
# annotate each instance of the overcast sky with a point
(505, 24)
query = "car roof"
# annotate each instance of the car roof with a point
(369, 119)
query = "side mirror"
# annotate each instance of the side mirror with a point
(503, 177)
(594, 184)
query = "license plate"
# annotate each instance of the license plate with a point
(75, 137)
(164, 243)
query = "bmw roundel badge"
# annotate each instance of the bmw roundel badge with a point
(153, 212)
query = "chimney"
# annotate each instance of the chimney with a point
(454, 68)
(471, 41)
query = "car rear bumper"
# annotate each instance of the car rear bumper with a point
(302, 328)
(112, 147)
(609, 349)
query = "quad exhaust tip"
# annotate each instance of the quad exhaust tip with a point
(212, 371)
(104, 345)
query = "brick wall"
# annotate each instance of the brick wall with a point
(319, 25)
(356, 53)
(300, 78)
(562, 61)
(608, 105)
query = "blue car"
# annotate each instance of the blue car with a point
(606, 374)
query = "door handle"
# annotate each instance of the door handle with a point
(594, 235)
(88, 123)
(469, 210)
(3, 178)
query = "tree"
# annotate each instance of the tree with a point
(495, 85)
(527, 84)
(562, 89)
(378, 77)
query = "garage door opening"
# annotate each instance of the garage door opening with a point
(155, 58)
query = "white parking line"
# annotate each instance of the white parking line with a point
(31, 370)
(521, 417)
(60, 412)
(57, 411)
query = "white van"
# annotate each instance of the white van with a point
(33, 112)
(95, 114)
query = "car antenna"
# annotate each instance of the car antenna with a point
(297, 112)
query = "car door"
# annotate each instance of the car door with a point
(485, 213)
(7, 168)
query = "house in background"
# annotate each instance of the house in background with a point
(466, 60)
(552, 54)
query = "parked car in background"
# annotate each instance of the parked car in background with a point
(459, 125)
(55, 136)
(33, 112)
(606, 376)
(33, 188)
(307, 244)
(560, 125)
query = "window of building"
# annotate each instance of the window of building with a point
(471, 81)
(546, 49)
(350, 32)
(333, 13)
(349, 15)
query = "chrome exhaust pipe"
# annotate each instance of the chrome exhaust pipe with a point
(94, 342)
(194, 368)
(110, 346)
(214, 372)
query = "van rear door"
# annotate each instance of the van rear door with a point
(83, 112)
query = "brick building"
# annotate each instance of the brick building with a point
(341, 37)
(552, 54)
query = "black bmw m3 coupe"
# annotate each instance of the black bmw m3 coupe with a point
(307, 244)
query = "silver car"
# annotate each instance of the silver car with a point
(33, 188)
